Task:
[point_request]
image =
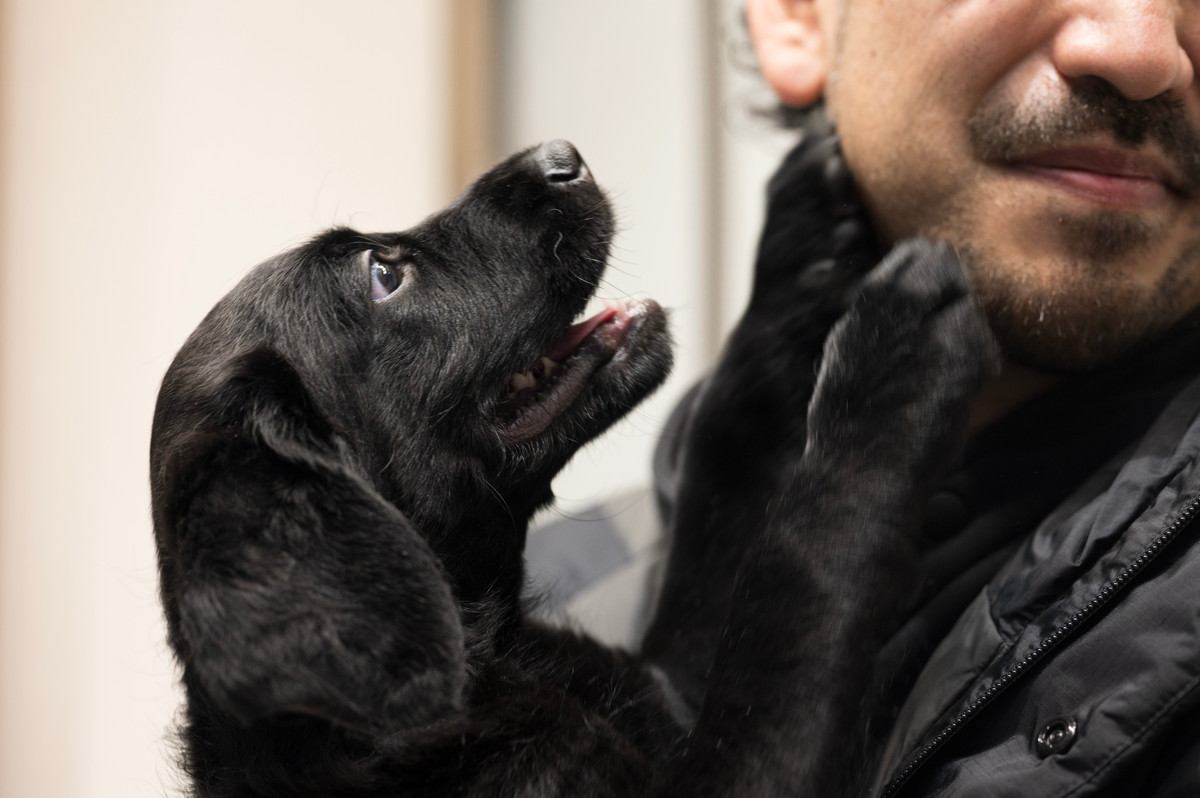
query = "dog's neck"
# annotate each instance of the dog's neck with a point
(485, 559)
(474, 520)
(480, 540)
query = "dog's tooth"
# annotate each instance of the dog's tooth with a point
(521, 381)
(549, 365)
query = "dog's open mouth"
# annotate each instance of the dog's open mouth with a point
(537, 396)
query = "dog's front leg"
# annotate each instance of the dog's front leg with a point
(830, 576)
(749, 420)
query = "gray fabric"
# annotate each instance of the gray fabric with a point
(599, 569)
(565, 558)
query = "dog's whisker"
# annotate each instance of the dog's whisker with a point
(585, 280)
(439, 416)
(371, 241)
(616, 291)
(391, 459)
(501, 499)
(612, 265)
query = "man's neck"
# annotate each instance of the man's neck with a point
(1005, 392)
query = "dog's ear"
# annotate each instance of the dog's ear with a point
(293, 585)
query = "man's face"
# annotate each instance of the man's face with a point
(1056, 143)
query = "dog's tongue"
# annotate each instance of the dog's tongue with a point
(573, 337)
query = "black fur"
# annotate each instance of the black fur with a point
(804, 469)
(340, 505)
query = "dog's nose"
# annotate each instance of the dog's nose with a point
(561, 162)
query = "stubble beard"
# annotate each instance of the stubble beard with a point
(1078, 313)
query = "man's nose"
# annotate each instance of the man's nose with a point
(1132, 44)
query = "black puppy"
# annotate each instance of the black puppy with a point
(347, 451)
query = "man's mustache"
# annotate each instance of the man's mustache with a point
(1002, 131)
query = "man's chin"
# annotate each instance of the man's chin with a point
(1070, 317)
(1050, 345)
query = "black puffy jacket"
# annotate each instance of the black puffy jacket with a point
(1055, 650)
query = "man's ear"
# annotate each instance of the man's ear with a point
(293, 587)
(791, 47)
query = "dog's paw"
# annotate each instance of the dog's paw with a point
(816, 248)
(817, 243)
(902, 366)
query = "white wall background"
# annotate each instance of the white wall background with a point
(152, 150)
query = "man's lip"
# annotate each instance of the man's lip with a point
(1108, 176)
(1109, 162)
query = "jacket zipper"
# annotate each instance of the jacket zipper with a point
(1110, 589)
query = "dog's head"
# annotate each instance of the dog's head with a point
(444, 357)
(430, 382)
(473, 317)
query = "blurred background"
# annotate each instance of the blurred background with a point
(151, 151)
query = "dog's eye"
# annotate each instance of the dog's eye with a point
(385, 279)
